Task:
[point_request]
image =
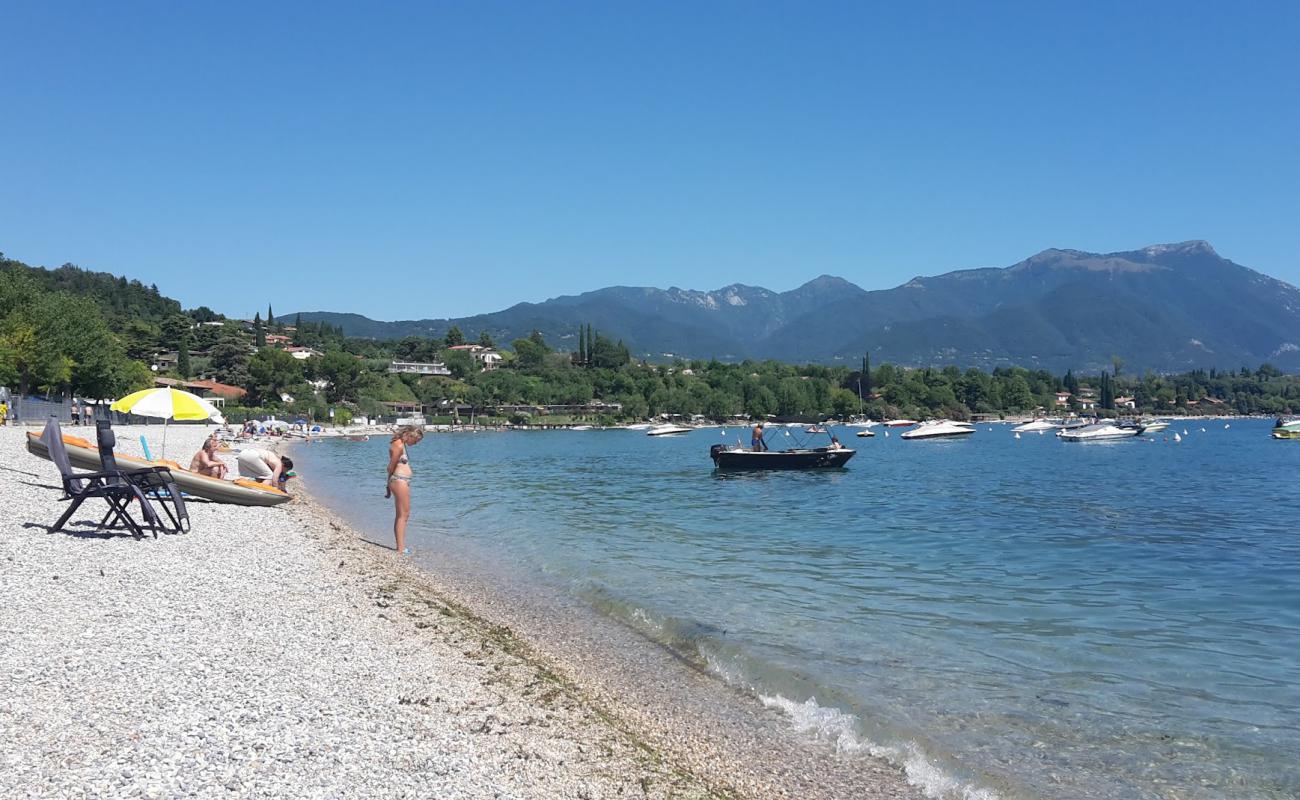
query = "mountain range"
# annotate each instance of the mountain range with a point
(1166, 307)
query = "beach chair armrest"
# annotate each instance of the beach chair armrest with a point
(163, 472)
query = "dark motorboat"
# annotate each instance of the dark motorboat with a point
(725, 457)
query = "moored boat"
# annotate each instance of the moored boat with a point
(1286, 428)
(1038, 425)
(1097, 432)
(735, 457)
(940, 429)
(241, 491)
(668, 430)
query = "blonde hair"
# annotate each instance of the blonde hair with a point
(400, 432)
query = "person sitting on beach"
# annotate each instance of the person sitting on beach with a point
(399, 479)
(265, 466)
(756, 442)
(205, 462)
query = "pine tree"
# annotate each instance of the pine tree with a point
(183, 356)
(259, 335)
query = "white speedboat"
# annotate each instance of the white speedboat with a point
(1098, 432)
(668, 430)
(1037, 425)
(1152, 426)
(899, 423)
(939, 429)
(640, 426)
(864, 434)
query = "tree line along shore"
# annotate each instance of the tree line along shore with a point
(73, 332)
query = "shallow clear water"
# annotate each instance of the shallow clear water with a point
(1009, 618)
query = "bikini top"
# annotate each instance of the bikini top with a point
(403, 459)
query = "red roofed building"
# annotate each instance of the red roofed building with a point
(205, 389)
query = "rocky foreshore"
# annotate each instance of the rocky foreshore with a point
(268, 653)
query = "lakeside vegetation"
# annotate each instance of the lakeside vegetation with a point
(69, 331)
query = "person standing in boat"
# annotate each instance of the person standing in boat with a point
(756, 442)
(399, 480)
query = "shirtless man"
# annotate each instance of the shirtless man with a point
(205, 462)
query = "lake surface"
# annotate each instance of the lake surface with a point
(1003, 617)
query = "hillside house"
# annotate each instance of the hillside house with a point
(486, 356)
(418, 368)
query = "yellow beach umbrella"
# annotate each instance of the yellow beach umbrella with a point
(167, 404)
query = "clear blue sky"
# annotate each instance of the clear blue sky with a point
(443, 159)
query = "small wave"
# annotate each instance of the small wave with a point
(839, 729)
(704, 645)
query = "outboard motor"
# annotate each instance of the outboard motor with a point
(715, 450)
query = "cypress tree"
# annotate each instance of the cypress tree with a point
(297, 330)
(582, 344)
(866, 374)
(270, 318)
(183, 356)
(259, 335)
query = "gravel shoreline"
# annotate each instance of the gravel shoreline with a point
(273, 652)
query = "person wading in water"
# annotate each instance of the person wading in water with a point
(399, 480)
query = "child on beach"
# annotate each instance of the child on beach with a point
(399, 480)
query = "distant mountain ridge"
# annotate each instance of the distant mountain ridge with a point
(1167, 307)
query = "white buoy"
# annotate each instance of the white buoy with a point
(1185, 432)
(724, 433)
(1202, 430)
(1177, 438)
(1226, 426)
(1040, 433)
(1017, 436)
(886, 434)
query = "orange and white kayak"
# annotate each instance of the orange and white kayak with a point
(83, 454)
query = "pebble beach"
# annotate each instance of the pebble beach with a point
(273, 652)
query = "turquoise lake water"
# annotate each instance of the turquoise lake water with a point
(1003, 618)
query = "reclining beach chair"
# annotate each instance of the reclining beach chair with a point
(111, 486)
(155, 482)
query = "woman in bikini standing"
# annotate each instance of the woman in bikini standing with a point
(399, 479)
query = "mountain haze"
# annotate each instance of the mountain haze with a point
(1165, 307)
